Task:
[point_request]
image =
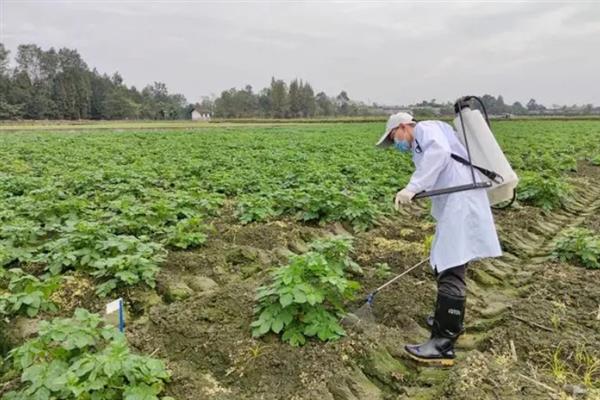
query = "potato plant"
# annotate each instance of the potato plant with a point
(305, 297)
(542, 190)
(79, 358)
(65, 196)
(580, 245)
(26, 294)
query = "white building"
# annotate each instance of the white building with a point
(200, 116)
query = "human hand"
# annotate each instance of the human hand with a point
(403, 197)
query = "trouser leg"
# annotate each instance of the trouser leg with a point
(451, 281)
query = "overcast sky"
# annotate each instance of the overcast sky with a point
(382, 51)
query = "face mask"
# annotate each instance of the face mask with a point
(402, 145)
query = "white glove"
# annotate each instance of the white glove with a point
(403, 197)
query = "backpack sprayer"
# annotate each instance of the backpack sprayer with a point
(485, 159)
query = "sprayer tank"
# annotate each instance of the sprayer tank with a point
(486, 152)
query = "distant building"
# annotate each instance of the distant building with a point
(200, 115)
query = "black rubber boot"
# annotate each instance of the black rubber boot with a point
(447, 325)
(429, 322)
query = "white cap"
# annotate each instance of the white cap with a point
(394, 121)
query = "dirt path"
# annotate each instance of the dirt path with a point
(531, 323)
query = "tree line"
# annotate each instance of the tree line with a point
(280, 100)
(50, 84)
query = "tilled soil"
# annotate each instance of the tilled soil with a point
(532, 323)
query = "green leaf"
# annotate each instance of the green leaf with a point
(277, 325)
(324, 333)
(311, 330)
(256, 323)
(286, 316)
(32, 312)
(140, 392)
(262, 329)
(111, 367)
(41, 394)
(82, 367)
(29, 299)
(314, 298)
(299, 296)
(294, 337)
(34, 372)
(286, 299)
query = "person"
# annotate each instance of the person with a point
(464, 229)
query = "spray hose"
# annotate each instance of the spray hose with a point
(371, 295)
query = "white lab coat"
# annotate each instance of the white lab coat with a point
(465, 228)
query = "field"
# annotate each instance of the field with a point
(186, 224)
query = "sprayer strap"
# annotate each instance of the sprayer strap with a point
(490, 174)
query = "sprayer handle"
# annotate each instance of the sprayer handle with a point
(453, 189)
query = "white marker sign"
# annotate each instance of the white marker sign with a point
(113, 306)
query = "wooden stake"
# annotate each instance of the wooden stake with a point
(552, 390)
(513, 350)
(533, 323)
